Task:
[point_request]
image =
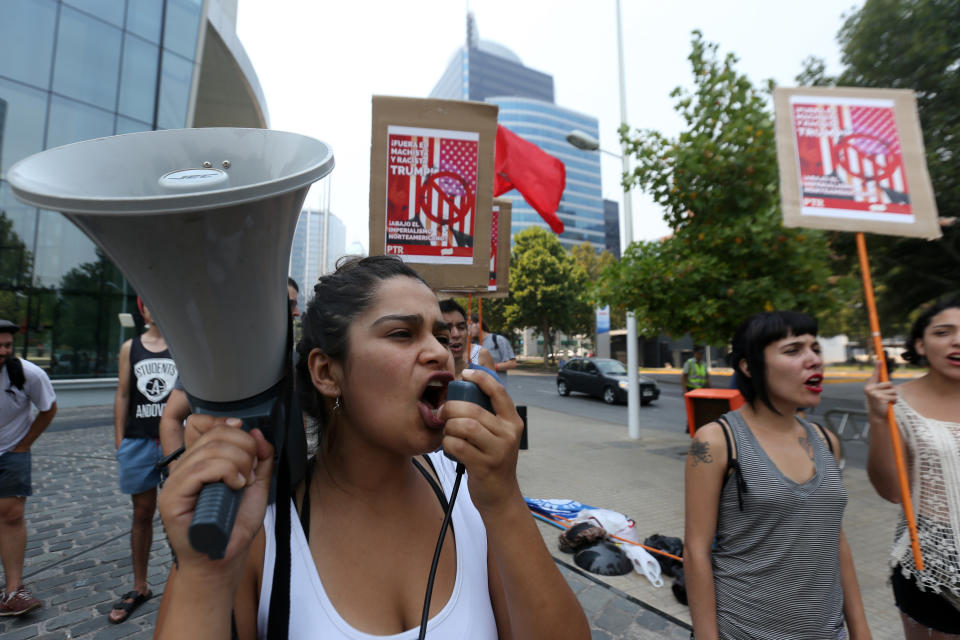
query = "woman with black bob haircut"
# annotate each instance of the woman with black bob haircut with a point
(927, 410)
(372, 374)
(764, 552)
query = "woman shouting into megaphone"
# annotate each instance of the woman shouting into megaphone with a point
(372, 374)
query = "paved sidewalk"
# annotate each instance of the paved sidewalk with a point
(78, 559)
(597, 464)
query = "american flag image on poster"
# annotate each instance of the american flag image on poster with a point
(431, 194)
(850, 159)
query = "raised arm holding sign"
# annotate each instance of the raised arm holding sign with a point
(852, 160)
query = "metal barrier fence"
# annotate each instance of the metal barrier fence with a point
(848, 425)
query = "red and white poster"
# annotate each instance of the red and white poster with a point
(852, 160)
(431, 194)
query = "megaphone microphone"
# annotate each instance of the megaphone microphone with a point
(200, 221)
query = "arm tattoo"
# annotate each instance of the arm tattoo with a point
(807, 446)
(699, 452)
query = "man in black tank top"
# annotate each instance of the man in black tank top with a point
(147, 374)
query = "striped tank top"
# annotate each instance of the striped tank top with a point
(776, 564)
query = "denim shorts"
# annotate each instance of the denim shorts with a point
(136, 460)
(15, 475)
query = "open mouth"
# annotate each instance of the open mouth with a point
(814, 383)
(954, 359)
(433, 397)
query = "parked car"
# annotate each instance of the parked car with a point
(604, 378)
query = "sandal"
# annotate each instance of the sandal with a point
(129, 603)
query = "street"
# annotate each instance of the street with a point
(668, 413)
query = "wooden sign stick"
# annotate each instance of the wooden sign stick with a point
(906, 499)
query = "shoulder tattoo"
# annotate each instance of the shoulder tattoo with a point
(699, 452)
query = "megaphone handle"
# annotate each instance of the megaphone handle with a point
(217, 504)
(213, 519)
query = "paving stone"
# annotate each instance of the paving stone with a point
(652, 621)
(21, 634)
(92, 600)
(613, 620)
(67, 619)
(112, 631)
(594, 599)
(93, 624)
(73, 594)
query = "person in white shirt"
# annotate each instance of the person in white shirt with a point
(372, 373)
(22, 385)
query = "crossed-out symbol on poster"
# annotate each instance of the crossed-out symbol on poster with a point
(455, 212)
(865, 144)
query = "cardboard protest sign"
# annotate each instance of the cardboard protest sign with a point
(499, 284)
(431, 188)
(852, 159)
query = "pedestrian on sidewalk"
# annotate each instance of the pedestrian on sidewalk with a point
(364, 524)
(764, 552)
(927, 410)
(147, 374)
(694, 374)
(23, 384)
(499, 347)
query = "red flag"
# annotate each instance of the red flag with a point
(538, 176)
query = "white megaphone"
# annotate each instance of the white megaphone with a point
(200, 221)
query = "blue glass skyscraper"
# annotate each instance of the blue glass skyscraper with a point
(486, 71)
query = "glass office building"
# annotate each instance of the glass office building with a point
(581, 207)
(486, 71)
(611, 222)
(72, 70)
(319, 241)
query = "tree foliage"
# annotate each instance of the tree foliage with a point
(594, 264)
(909, 44)
(16, 264)
(729, 255)
(547, 288)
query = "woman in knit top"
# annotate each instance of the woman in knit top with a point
(927, 410)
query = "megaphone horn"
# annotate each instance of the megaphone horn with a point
(200, 221)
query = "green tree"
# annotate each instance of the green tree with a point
(729, 254)
(594, 264)
(16, 264)
(909, 44)
(546, 288)
(91, 295)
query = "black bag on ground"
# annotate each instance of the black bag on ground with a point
(669, 566)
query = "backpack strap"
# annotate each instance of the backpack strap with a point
(733, 465)
(826, 437)
(15, 372)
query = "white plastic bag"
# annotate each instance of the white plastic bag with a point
(644, 563)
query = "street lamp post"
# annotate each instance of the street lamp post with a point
(584, 141)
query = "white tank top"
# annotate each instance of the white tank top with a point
(467, 615)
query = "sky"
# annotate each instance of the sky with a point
(320, 62)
